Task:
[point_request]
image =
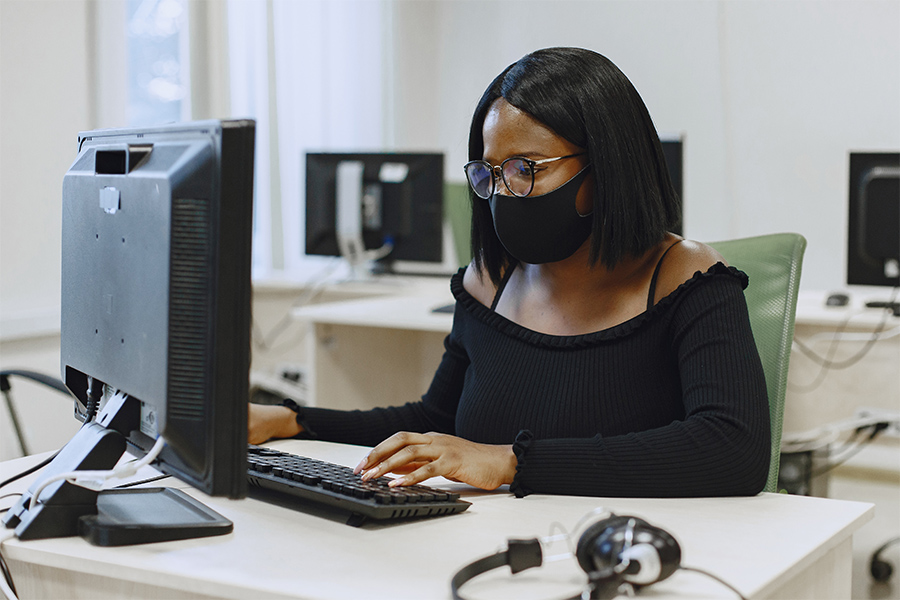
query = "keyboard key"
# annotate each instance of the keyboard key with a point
(311, 480)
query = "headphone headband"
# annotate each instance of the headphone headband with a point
(612, 551)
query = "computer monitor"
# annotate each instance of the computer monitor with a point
(873, 223)
(155, 328)
(673, 151)
(381, 209)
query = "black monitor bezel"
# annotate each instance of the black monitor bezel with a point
(859, 270)
(424, 243)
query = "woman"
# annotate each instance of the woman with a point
(592, 351)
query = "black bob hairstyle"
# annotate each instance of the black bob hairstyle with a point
(584, 98)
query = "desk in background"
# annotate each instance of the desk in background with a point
(376, 351)
(768, 546)
(815, 398)
(384, 351)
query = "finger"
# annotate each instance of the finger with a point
(407, 455)
(408, 468)
(427, 471)
(389, 447)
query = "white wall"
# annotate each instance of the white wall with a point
(770, 95)
(45, 78)
(44, 83)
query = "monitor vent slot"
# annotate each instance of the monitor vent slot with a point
(190, 309)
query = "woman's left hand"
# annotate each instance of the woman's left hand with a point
(419, 456)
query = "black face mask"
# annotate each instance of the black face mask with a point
(545, 228)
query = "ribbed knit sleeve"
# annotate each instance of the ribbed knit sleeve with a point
(436, 412)
(721, 444)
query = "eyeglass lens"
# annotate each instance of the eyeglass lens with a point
(481, 178)
(517, 175)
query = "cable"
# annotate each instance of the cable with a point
(141, 482)
(827, 362)
(5, 496)
(823, 371)
(876, 431)
(6, 583)
(265, 341)
(94, 395)
(851, 336)
(869, 342)
(94, 479)
(834, 429)
(30, 470)
(714, 577)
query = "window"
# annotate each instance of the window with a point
(312, 75)
(158, 62)
(310, 72)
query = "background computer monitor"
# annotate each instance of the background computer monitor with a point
(156, 254)
(393, 207)
(673, 150)
(873, 224)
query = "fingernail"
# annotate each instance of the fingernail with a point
(397, 481)
(360, 466)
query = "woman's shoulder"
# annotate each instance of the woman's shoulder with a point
(681, 262)
(478, 284)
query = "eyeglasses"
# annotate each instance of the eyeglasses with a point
(517, 173)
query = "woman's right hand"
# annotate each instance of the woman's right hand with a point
(265, 421)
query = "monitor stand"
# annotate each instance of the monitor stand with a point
(109, 517)
(348, 222)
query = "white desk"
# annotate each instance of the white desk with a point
(816, 398)
(768, 546)
(376, 351)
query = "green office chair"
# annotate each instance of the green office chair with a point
(458, 213)
(772, 262)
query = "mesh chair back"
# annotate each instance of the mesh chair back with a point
(773, 264)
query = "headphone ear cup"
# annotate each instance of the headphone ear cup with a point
(586, 552)
(601, 545)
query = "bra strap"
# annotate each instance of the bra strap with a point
(652, 293)
(502, 286)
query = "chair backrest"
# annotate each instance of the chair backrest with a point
(773, 264)
(459, 214)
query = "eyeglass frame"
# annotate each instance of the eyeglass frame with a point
(495, 169)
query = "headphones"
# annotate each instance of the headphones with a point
(613, 551)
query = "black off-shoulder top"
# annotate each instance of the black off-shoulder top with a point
(669, 403)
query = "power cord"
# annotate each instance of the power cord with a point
(715, 578)
(94, 479)
(6, 583)
(827, 362)
(141, 482)
(876, 428)
(6, 387)
(265, 341)
(13, 495)
(30, 470)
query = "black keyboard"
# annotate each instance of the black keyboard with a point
(336, 486)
